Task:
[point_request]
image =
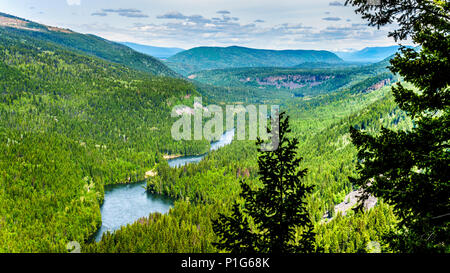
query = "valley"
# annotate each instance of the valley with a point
(108, 116)
(89, 153)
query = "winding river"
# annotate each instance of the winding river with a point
(124, 204)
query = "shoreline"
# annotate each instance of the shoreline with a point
(168, 157)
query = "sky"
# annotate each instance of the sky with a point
(268, 24)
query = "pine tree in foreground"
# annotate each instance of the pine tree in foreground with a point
(410, 169)
(273, 218)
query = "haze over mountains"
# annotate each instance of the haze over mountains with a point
(369, 54)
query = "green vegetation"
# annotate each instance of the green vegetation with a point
(212, 185)
(78, 113)
(409, 168)
(271, 215)
(205, 58)
(90, 45)
(63, 116)
(70, 124)
(354, 232)
(259, 84)
(185, 229)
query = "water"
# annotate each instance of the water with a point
(125, 204)
(181, 161)
(224, 140)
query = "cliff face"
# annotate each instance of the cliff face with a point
(292, 81)
(378, 85)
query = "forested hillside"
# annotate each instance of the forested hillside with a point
(205, 58)
(87, 44)
(205, 189)
(261, 84)
(78, 112)
(70, 124)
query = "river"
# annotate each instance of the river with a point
(125, 204)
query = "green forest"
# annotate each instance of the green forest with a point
(71, 124)
(78, 113)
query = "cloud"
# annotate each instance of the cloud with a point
(198, 19)
(177, 28)
(223, 12)
(223, 29)
(101, 14)
(231, 33)
(331, 19)
(130, 13)
(73, 2)
(122, 10)
(355, 32)
(133, 15)
(336, 4)
(195, 19)
(172, 15)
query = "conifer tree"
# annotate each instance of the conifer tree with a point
(410, 169)
(271, 216)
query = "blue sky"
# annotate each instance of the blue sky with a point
(271, 24)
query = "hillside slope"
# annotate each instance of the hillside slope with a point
(71, 123)
(87, 44)
(205, 58)
(262, 83)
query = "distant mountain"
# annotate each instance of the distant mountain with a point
(369, 54)
(86, 44)
(206, 58)
(155, 51)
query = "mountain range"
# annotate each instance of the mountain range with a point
(369, 54)
(207, 58)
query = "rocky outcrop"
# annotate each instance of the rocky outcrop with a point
(349, 202)
(294, 81)
(378, 85)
